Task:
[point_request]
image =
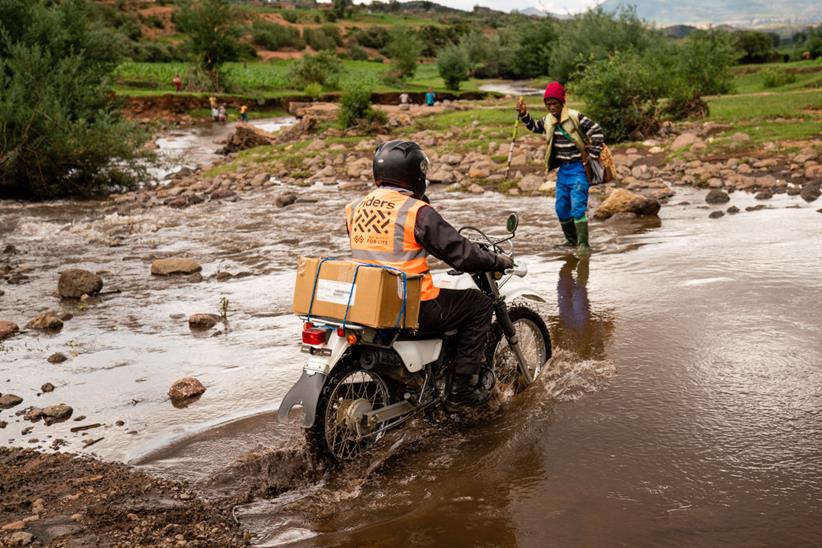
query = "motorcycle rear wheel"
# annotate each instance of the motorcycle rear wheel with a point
(535, 342)
(349, 391)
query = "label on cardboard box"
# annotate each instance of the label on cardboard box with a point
(335, 292)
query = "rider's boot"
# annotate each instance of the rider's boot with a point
(471, 389)
(570, 231)
(583, 249)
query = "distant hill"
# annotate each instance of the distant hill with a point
(739, 13)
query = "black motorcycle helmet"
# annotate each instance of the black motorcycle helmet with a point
(401, 163)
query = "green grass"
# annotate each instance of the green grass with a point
(750, 78)
(730, 108)
(270, 79)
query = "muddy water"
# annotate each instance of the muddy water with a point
(681, 407)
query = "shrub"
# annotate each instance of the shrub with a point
(356, 53)
(452, 65)
(622, 93)
(372, 37)
(773, 78)
(355, 106)
(290, 15)
(324, 69)
(61, 134)
(404, 49)
(273, 36)
(313, 90)
(322, 38)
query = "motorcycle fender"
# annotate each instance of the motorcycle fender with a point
(306, 392)
(416, 354)
(513, 293)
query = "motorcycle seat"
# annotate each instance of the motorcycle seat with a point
(409, 335)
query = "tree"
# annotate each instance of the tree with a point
(755, 47)
(453, 65)
(212, 35)
(60, 133)
(404, 49)
(342, 8)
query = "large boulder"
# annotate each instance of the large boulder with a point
(530, 183)
(75, 282)
(203, 321)
(56, 413)
(7, 329)
(172, 265)
(810, 191)
(621, 200)
(285, 198)
(8, 401)
(247, 136)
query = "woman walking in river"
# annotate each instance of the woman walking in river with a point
(567, 132)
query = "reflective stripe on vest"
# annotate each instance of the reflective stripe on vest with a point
(381, 231)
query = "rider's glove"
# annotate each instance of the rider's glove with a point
(504, 262)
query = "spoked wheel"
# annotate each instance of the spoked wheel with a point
(348, 393)
(534, 341)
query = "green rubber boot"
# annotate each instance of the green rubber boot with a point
(570, 231)
(583, 249)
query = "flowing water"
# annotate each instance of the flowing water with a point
(681, 407)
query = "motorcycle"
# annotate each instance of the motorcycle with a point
(359, 382)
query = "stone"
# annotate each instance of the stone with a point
(7, 401)
(519, 160)
(716, 196)
(285, 198)
(715, 182)
(222, 194)
(47, 387)
(810, 191)
(443, 175)
(684, 140)
(716, 214)
(813, 171)
(20, 538)
(745, 169)
(733, 210)
(326, 173)
(57, 357)
(530, 183)
(56, 413)
(47, 321)
(764, 195)
(476, 189)
(185, 388)
(33, 414)
(451, 159)
(352, 185)
(75, 282)
(479, 171)
(203, 321)
(621, 200)
(7, 329)
(169, 266)
(246, 136)
(740, 137)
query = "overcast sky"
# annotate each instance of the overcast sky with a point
(553, 6)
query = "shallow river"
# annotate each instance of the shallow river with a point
(683, 405)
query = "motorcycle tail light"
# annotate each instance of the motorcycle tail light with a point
(340, 332)
(314, 335)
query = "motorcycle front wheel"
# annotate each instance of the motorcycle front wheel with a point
(535, 342)
(349, 391)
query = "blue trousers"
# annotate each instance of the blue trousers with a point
(572, 192)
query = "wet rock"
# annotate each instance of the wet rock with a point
(246, 136)
(203, 321)
(47, 321)
(285, 198)
(47, 387)
(9, 250)
(56, 413)
(7, 401)
(476, 189)
(733, 210)
(717, 196)
(621, 200)
(7, 329)
(813, 171)
(75, 282)
(57, 357)
(185, 389)
(167, 267)
(764, 195)
(352, 185)
(716, 214)
(33, 414)
(755, 208)
(811, 191)
(222, 194)
(3, 424)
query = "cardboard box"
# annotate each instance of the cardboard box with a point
(376, 300)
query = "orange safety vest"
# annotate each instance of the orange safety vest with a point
(381, 231)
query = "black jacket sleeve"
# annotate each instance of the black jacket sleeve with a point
(441, 240)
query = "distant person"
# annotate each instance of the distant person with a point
(178, 82)
(221, 115)
(403, 98)
(569, 133)
(244, 113)
(430, 98)
(215, 112)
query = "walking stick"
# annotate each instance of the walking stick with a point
(511, 148)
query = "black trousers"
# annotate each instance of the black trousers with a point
(469, 312)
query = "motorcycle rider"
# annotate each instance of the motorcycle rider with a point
(395, 226)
